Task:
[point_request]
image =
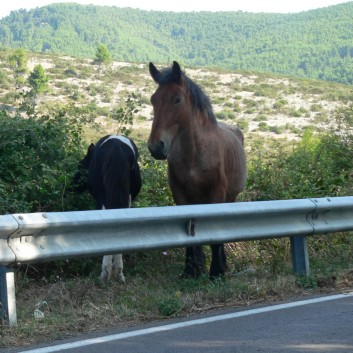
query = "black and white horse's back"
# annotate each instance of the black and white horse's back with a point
(111, 173)
(114, 174)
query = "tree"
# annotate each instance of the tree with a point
(38, 80)
(103, 55)
(18, 61)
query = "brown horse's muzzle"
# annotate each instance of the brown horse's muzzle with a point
(158, 150)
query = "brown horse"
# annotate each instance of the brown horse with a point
(206, 159)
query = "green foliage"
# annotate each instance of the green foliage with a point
(124, 115)
(243, 124)
(171, 305)
(319, 165)
(314, 44)
(103, 55)
(155, 189)
(260, 117)
(18, 61)
(263, 126)
(39, 155)
(38, 79)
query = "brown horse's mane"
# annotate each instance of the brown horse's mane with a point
(199, 99)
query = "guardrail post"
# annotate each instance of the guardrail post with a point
(300, 256)
(7, 295)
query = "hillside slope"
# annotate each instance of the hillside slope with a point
(261, 104)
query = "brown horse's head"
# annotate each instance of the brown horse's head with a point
(178, 104)
(169, 109)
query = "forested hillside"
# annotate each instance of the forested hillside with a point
(315, 44)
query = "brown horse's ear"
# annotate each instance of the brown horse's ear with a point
(176, 71)
(154, 72)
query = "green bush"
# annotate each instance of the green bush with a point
(155, 189)
(319, 165)
(279, 104)
(243, 124)
(260, 117)
(263, 126)
(39, 155)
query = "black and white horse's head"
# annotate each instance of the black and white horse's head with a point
(80, 180)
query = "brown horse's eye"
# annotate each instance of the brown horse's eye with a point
(177, 100)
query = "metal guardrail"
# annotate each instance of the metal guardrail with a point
(37, 237)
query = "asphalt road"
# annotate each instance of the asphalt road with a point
(315, 325)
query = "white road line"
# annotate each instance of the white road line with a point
(206, 320)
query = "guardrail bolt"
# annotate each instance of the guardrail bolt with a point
(191, 227)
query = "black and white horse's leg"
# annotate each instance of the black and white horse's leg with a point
(118, 265)
(107, 264)
(113, 266)
(117, 268)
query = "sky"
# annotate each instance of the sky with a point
(277, 6)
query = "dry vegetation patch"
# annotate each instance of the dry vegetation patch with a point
(263, 105)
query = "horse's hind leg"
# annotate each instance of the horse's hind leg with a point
(107, 268)
(112, 267)
(194, 262)
(117, 261)
(218, 264)
(117, 269)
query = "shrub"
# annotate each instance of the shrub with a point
(316, 107)
(250, 103)
(243, 124)
(319, 165)
(277, 129)
(260, 117)
(39, 155)
(263, 126)
(155, 189)
(279, 104)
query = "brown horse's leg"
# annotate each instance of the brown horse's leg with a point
(194, 262)
(218, 264)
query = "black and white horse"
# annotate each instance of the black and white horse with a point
(111, 173)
